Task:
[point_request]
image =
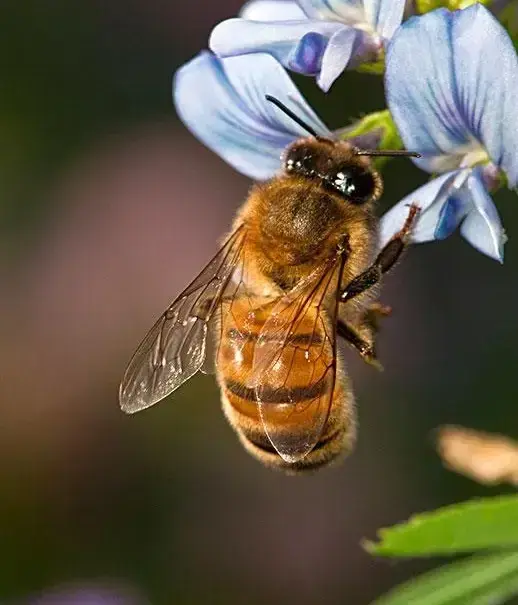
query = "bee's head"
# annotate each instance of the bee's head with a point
(337, 166)
(341, 168)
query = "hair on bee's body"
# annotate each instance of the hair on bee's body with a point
(299, 267)
(294, 223)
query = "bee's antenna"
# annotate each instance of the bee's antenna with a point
(369, 152)
(388, 153)
(290, 113)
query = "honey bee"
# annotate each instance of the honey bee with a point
(298, 268)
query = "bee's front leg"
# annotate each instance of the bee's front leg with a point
(385, 260)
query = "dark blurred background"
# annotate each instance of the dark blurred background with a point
(108, 207)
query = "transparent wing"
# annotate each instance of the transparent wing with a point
(212, 342)
(294, 367)
(175, 347)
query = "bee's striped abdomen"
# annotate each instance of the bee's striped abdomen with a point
(290, 389)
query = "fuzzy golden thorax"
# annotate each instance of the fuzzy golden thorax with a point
(324, 199)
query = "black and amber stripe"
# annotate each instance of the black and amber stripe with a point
(280, 395)
(293, 390)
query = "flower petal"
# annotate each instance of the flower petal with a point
(482, 227)
(348, 45)
(486, 69)
(384, 16)
(272, 10)
(349, 12)
(222, 102)
(431, 199)
(420, 86)
(450, 217)
(306, 56)
(453, 199)
(445, 93)
(298, 45)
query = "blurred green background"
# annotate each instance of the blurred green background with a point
(108, 207)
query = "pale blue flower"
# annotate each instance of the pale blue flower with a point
(313, 37)
(222, 101)
(452, 88)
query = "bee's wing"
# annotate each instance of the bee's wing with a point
(212, 342)
(175, 347)
(294, 367)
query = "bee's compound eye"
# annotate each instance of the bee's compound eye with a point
(355, 184)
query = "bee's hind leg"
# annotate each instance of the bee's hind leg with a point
(363, 343)
(385, 260)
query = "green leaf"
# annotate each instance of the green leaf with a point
(382, 129)
(375, 67)
(478, 580)
(472, 525)
(425, 6)
(508, 17)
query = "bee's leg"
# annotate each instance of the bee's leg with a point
(373, 315)
(364, 347)
(385, 260)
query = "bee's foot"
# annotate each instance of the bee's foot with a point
(369, 356)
